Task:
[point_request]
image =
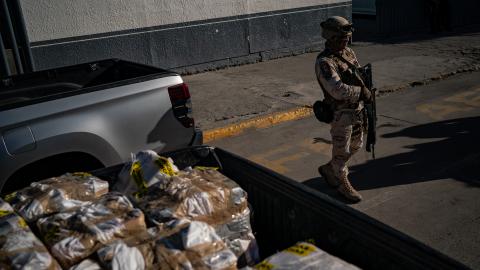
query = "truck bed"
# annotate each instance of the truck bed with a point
(26, 89)
(285, 212)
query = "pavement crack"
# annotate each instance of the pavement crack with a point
(285, 101)
(388, 125)
(398, 119)
(251, 114)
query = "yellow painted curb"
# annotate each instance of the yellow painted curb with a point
(257, 122)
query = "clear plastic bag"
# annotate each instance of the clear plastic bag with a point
(196, 195)
(205, 195)
(73, 236)
(118, 255)
(56, 194)
(177, 245)
(304, 256)
(146, 169)
(87, 264)
(19, 247)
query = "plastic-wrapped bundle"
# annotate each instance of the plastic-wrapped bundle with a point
(204, 195)
(179, 245)
(146, 169)
(209, 196)
(56, 194)
(73, 236)
(203, 248)
(238, 236)
(135, 252)
(87, 264)
(19, 248)
(304, 256)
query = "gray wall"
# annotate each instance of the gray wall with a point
(189, 35)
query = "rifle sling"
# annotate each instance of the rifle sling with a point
(352, 66)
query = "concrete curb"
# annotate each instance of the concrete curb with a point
(257, 122)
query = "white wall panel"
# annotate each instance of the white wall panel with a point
(256, 6)
(54, 19)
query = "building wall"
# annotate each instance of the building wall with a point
(411, 16)
(464, 12)
(181, 34)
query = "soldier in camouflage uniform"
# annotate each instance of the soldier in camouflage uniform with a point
(346, 94)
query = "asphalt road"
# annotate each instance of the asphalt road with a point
(424, 180)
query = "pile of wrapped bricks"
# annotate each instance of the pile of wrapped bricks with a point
(153, 217)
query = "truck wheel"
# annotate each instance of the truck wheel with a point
(50, 167)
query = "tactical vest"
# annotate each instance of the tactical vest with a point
(347, 77)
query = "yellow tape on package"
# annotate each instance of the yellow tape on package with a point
(304, 256)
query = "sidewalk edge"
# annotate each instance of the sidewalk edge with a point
(257, 122)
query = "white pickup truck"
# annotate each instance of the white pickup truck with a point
(89, 116)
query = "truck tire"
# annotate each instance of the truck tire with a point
(50, 167)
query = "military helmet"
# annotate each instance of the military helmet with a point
(336, 26)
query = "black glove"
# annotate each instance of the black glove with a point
(366, 95)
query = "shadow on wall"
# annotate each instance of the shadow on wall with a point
(455, 154)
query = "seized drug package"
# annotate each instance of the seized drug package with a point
(304, 256)
(56, 194)
(87, 264)
(19, 247)
(179, 244)
(204, 194)
(146, 169)
(74, 235)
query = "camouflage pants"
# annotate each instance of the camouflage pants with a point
(347, 139)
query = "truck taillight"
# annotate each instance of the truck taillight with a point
(181, 104)
(179, 92)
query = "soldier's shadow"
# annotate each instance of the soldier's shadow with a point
(454, 153)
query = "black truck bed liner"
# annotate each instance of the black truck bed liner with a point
(285, 212)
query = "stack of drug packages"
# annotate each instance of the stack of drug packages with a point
(168, 195)
(84, 226)
(180, 244)
(19, 247)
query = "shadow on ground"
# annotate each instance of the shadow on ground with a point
(454, 153)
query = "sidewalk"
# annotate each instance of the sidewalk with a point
(257, 95)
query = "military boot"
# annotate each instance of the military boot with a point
(348, 191)
(326, 172)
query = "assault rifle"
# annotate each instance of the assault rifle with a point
(371, 108)
(364, 77)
